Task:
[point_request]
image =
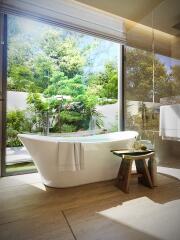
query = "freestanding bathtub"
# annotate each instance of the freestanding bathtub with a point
(99, 163)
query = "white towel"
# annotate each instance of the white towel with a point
(170, 122)
(70, 156)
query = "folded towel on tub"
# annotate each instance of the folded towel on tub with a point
(70, 156)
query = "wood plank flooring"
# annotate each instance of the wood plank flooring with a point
(30, 211)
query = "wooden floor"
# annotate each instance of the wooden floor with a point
(29, 211)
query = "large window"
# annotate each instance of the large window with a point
(60, 82)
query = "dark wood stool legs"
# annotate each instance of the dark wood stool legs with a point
(142, 169)
(152, 166)
(124, 175)
(144, 173)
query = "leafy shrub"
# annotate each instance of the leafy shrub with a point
(17, 122)
(66, 128)
(12, 139)
(71, 116)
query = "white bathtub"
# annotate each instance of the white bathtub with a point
(99, 163)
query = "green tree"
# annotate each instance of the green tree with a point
(106, 81)
(20, 53)
(59, 84)
(64, 52)
(44, 109)
(42, 69)
(79, 101)
(20, 78)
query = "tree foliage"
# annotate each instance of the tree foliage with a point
(106, 81)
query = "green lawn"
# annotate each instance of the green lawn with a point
(20, 167)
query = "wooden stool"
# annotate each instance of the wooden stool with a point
(146, 174)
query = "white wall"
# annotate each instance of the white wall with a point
(110, 113)
(16, 100)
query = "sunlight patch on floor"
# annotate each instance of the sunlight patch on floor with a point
(33, 179)
(143, 214)
(39, 186)
(174, 172)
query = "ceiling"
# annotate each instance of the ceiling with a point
(133, 10)
(166, 12)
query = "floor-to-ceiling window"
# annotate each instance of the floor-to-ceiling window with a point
(59, 82)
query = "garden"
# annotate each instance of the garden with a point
(56, 70)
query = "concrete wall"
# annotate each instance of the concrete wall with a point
(16, 100)
(110, 113)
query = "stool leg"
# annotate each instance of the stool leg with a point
(143, 169)
(124, 175)
(152, 166)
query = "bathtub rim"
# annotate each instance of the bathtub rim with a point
(89, 139)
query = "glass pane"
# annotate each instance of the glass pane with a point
(167, 89)
(60, 82)
(140, 115)
(153, 79)
(167, 83)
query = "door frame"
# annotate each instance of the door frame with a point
(3, 87)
